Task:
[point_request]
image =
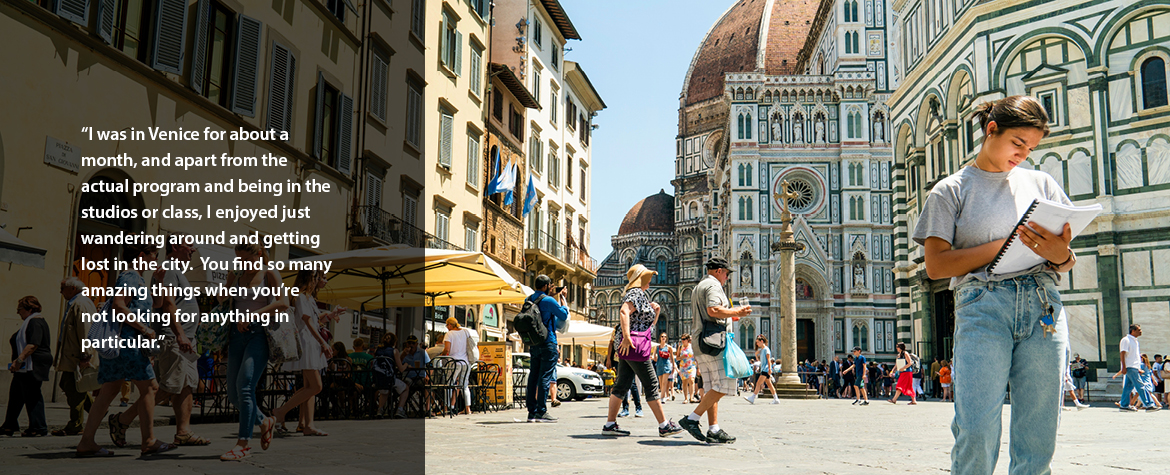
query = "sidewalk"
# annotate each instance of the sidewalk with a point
(352, 448)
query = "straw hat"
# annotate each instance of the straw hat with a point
(634, 276)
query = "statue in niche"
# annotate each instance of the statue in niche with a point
(879, 129)
(797, 129)
(819, 136)
(777, 127)
(858, 275)
(745, 279)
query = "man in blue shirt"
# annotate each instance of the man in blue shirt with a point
(860, 377)
(544, 356)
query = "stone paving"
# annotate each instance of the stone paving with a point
(352, 448)
(797, 436)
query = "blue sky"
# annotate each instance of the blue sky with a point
(636, 53)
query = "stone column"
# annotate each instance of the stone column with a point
(787, 247)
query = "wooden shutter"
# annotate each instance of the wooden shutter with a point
(446, 130)
(76, 11)
(246, 71)
(378, 88)
(443, 56)
(170, 27)
(319, 116)
(458, 53)
(199, 49)
(279, 88)
(373, 190)
(345, 133)
(105, 20)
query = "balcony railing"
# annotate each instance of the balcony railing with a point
(580, 257)
(546, 243)
(376, 222)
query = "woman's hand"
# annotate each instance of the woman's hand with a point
(626, 346)
(657, 308)
(1050, 246)
(327, 351)
(242, 326)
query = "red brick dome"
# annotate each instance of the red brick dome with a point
(654, 214)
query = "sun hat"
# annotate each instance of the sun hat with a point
(634, 275)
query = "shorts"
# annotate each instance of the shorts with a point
(946, 385)
(1158, 388)
(714, 375)
(859, 382)
(175, 372)
(399, 387)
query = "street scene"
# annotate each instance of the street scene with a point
(499, 236)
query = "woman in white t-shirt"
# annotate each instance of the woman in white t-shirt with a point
(455, 346)
(315, 352)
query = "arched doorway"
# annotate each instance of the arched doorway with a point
(104, 226)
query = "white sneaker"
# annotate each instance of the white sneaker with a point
(775, 400)
(1080, 405)
(750, 398)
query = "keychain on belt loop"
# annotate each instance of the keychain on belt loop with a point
(1046, 320)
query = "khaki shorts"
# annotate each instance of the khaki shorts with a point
(175, 372)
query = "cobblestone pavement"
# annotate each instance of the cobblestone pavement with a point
(352, 448)
(805, 437)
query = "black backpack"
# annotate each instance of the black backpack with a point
(529, 324)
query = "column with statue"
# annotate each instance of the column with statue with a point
(787, 247)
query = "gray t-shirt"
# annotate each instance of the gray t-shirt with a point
(708, 293)
(187, 305)
(974, 207)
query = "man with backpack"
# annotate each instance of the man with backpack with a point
(543, 313)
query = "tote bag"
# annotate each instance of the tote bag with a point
(283, 344)
(735, 362)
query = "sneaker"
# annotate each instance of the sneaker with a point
(864, 403)
(624, 413)
(531, 417)
(614, 430)
(123, 404)
(1128, 409)
(670, 429)
(544, 418)
(401, 414)
(638, 413)
(856, 402)
(775, 400)
(1080, 405)
(751, 398)
(556, 402)
(1153, 409)
(720, 437)
(692, 427)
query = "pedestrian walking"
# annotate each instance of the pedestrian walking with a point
(315, 352)
(544, 355)
(1009, 328)
(71, 360)
(686, 368)
(904, 368)
(31, 359)
(1079, 371)
(638, 317)
(944, 380)
(860, 377)
(712, 311)
(1131, 367)
(764, 375)
(1070, 388)
(935, 385)
(664, 356)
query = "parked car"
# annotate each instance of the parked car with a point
(572, 383)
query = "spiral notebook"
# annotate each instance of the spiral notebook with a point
(1015, 256)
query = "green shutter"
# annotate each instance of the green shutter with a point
(170, 27)
(458, 53)
(246, 70)
(280, 88)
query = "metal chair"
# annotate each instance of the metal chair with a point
(448, 380)
(484, 385)
(519, 389)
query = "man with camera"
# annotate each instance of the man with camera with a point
(544, 356)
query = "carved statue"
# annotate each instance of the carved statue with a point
(745, 278)
(797, 130)
(858, 275)
(777, 128)
(820, 131)
(879, 134)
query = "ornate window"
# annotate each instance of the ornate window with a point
(861, 335)
(1153, 72)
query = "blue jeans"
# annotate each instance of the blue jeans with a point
(542, 366)
(247, 358)
(1133, 381)
(999, 341)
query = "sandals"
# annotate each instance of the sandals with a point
(190, 439)
(159, 447)
(102, 452)
(266, 432)
(236, 453)
(117, 430)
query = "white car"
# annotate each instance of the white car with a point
(572, 383)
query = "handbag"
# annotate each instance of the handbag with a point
(86, 380)
(283, 344)
(640, 342)
(211, 335)
(712, 339)
(735, 362)
(472, 347)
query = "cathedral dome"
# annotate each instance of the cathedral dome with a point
(654, 214)
(752, 35)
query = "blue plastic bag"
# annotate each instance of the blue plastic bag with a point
(735, 362)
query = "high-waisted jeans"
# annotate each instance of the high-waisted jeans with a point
(999, 340)
(247, 358)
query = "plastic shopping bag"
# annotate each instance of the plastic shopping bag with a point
(735, 362)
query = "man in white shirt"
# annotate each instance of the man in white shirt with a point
(1131, 361)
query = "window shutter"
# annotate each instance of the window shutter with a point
(105, 20)
(345, 129)
(373, 190)
(199, 51)
(378, 85)
(76, 11)
(446, 130)
(246, 72)
(319, 115)
(170, 27)
(280, 88)
(444, 57)
(458, 53)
